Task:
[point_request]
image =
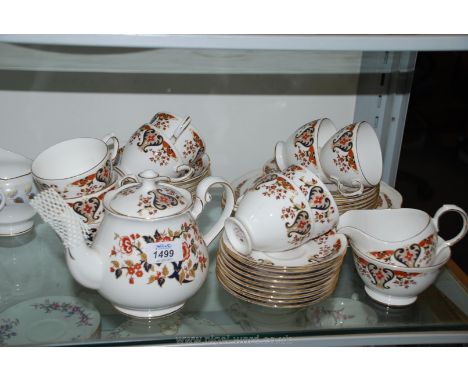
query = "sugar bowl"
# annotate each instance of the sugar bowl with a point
(16, 189)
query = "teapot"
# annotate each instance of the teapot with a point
(149, 256)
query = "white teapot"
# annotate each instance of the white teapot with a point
(149, 256)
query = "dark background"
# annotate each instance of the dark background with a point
(433, 168)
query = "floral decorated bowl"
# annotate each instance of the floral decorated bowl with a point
(397, 285)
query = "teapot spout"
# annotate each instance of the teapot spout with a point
(85, 265)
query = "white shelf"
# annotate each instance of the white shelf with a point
(268, 42)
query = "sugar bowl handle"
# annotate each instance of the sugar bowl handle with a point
(203, 197)
(447, 208)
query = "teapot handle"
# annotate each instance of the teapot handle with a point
(2, 200)
(451, 207)
(203, 197)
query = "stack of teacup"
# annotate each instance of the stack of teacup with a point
(283, 227)
(397, 252)
(169, 145)
(81, 171)
(349, 161)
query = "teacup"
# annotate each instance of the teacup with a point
(352, 157)
(303, 146)
(90, 208)
(16, 189)
(76, 167)
(182, 134)
(148, 148)
(403, 237)
(282, 211)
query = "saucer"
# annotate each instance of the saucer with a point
(275, 304)
(315, 251)
(341, 312)
(389, 197)
(50, 319)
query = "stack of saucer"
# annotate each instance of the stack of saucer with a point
(290, 279)
(380, 197)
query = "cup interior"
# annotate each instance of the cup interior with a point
(69, 158)
(368, 153)
(238, 236)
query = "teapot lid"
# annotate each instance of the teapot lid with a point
(149, 199)
(13, 165)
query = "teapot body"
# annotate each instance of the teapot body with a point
(151, 268)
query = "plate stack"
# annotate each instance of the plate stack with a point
(290, 279)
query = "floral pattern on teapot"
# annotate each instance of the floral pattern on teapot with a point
(129, 261)
(157, 200)
(343, 147)
(410, 255)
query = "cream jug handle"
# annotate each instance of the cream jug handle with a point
(448, 208)
(115, 147)
(2, 200)
(203, 197)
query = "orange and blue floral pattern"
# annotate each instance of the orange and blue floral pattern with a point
(129, 261)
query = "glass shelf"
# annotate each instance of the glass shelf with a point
(32, 265)
(58, 58)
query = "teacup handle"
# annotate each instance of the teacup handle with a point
(449, 208)
(279, 155)
(2, 200)
(127, 180)
(183, 167)
(348, 194)
(115, 144)
(181, 128)
(203, 197)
